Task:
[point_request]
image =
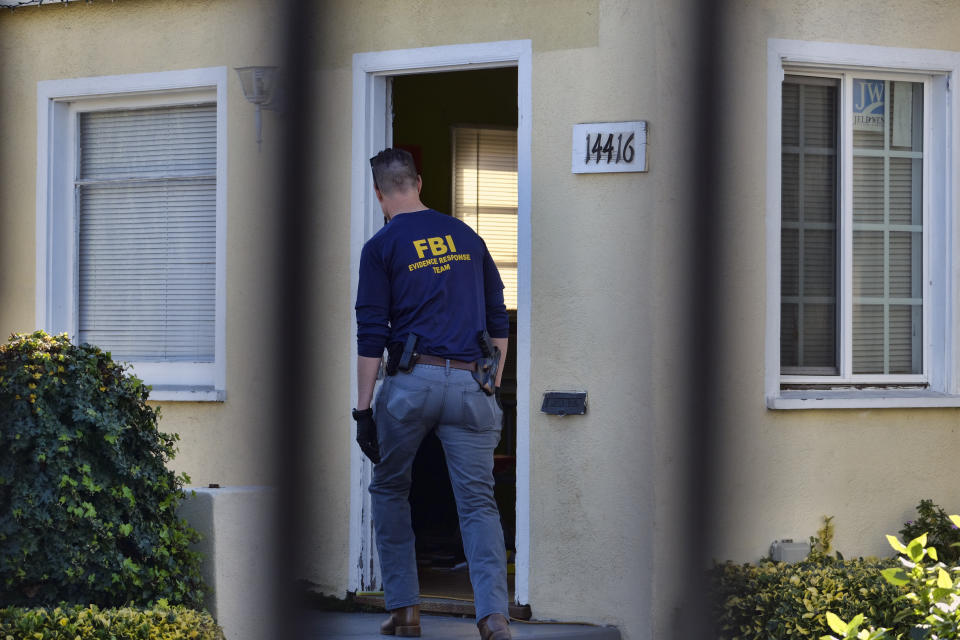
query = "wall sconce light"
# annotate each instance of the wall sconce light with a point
(259, 86)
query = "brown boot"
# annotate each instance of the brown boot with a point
(494, 627)
(403, 622)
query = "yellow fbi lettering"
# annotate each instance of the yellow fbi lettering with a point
(437, 246)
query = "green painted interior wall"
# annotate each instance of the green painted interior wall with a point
(425, 106)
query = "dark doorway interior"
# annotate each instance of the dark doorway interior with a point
(432, 113)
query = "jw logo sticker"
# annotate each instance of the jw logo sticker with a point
(869, 102)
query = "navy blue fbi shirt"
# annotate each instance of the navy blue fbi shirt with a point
(429, 274)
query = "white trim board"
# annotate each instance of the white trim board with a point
(863, 399)
(371, 132)
(14, 4)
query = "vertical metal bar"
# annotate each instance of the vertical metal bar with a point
(291, 311)
(704, 310)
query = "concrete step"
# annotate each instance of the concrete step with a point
(439, 605)
(366, 626)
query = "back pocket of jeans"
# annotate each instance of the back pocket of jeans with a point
(405, 405)
(480, 411)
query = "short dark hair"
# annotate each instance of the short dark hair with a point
(393, 169)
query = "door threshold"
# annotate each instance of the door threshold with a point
(440, 605)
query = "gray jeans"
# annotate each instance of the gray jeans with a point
(467, 421)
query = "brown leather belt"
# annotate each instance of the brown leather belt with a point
(442, 362)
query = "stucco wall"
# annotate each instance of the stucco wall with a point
(594, 251)
(227, 443)
(609, 263)
(783, 470)
(596, 245)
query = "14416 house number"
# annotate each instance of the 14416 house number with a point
(609, 147)
(625, 150)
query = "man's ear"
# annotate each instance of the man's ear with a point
(376, 190)
(419, 183)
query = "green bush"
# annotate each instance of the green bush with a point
(943, 535)
(92, 623)
(772, 600)
(88, 502)
(933, 611)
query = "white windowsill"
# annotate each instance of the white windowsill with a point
(186, 393)
(861, 399)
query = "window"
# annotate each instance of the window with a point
(131, 229)
(882, 301)
(485, 195)
(859, 311)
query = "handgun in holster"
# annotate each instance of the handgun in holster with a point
(485, 372)
(402, 360)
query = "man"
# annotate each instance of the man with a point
(428, 286)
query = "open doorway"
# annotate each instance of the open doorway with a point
(372, 130)
(461, 127)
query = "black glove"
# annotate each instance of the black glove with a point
(367, 434)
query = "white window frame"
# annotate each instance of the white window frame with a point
(59, 103)
(939, 384)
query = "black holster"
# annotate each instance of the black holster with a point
(402, 357)
(485, 372)
(394, 349)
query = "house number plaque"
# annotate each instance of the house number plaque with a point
(610, 147)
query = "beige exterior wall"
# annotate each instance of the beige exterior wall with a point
(783, 470)
(227, 443)
(608, 268)
(601, 247)
(607, 263)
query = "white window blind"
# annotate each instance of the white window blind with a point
(146, 202)
(888, 236)
(808, 324)
(485, 195)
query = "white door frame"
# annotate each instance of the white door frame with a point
(372, 132)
